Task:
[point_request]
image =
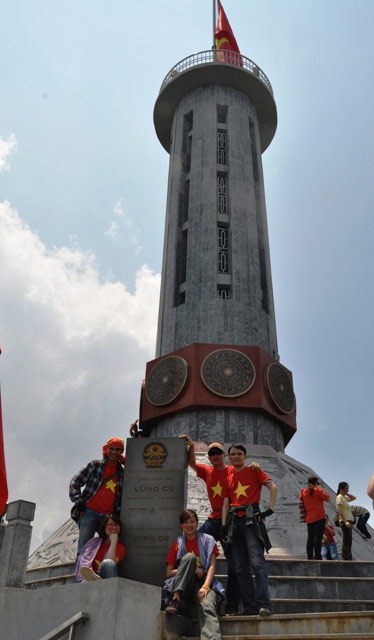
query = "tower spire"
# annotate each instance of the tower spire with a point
(217, 373)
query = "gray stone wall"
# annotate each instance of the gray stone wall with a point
(247, 318)
(224, 425)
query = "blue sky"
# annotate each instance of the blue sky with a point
(83, 183)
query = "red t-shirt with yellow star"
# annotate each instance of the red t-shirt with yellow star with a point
(244, 487)
(215, 482)
(191, 547)
(103, 549)
(103, 500)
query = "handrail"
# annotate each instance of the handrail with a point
(70, 625)
(213, 56)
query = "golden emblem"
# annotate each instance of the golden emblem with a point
(155, 454)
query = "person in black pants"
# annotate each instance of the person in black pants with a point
(313, 498)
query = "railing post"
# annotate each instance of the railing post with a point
(15, 540)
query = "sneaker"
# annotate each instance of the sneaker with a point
(264, 612)
(172, 606)
(88, 574)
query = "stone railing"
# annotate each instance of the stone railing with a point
(213, 56)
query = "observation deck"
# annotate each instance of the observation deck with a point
(204, 68)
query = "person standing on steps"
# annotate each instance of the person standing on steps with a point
(329, 550)
(313, 498)
(346, 518)
(245, 529)
(215, 478)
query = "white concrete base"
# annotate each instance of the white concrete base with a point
(118, 609)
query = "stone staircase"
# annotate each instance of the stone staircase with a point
(315, 600)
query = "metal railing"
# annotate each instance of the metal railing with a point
(68, 626)
(213, 56)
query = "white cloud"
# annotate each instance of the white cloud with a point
(6, 148)
(74, 355)
(124, 226)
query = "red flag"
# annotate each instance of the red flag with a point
(3, 481)
(225, 39)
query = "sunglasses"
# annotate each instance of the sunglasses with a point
(215, 452)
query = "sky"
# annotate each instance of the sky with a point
(83, 183)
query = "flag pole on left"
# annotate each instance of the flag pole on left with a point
(3, 479)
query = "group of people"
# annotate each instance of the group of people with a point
(235, 520)
(96, 492)
(321, 534)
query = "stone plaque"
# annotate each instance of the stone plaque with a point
(154, 494)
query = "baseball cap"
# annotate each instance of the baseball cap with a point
(216, 445)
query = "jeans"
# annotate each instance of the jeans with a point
(108, 569)
(330, 551)
(213, 526)
(248, 557)
(361, 524)
(185, 581)
(314, 542)
(88, 524)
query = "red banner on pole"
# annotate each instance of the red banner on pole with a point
(3, 480)
(227, 49)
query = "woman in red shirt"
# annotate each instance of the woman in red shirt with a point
(100, 555)
(313, 498)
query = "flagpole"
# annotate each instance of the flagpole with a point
(214, 23)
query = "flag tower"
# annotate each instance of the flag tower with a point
(217, 374)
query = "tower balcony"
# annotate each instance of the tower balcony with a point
(226, 68)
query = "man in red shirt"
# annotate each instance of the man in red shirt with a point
(215, 478)
(102, 481)
(243, 522)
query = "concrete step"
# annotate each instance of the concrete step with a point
(310, 587)
(319, 588)
(313, 636)
(291, 606)
(302, 567)
(320, 626)
(300, 625)
(49, 575)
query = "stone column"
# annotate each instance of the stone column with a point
(15, 540)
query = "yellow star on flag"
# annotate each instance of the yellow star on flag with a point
(241, 490)
(217, 490)
(111, 485)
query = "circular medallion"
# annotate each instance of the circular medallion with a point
(228, 373)
(166, 380)
(280, 387)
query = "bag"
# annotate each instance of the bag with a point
(302, 511)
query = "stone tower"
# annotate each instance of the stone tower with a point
(217, 374)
